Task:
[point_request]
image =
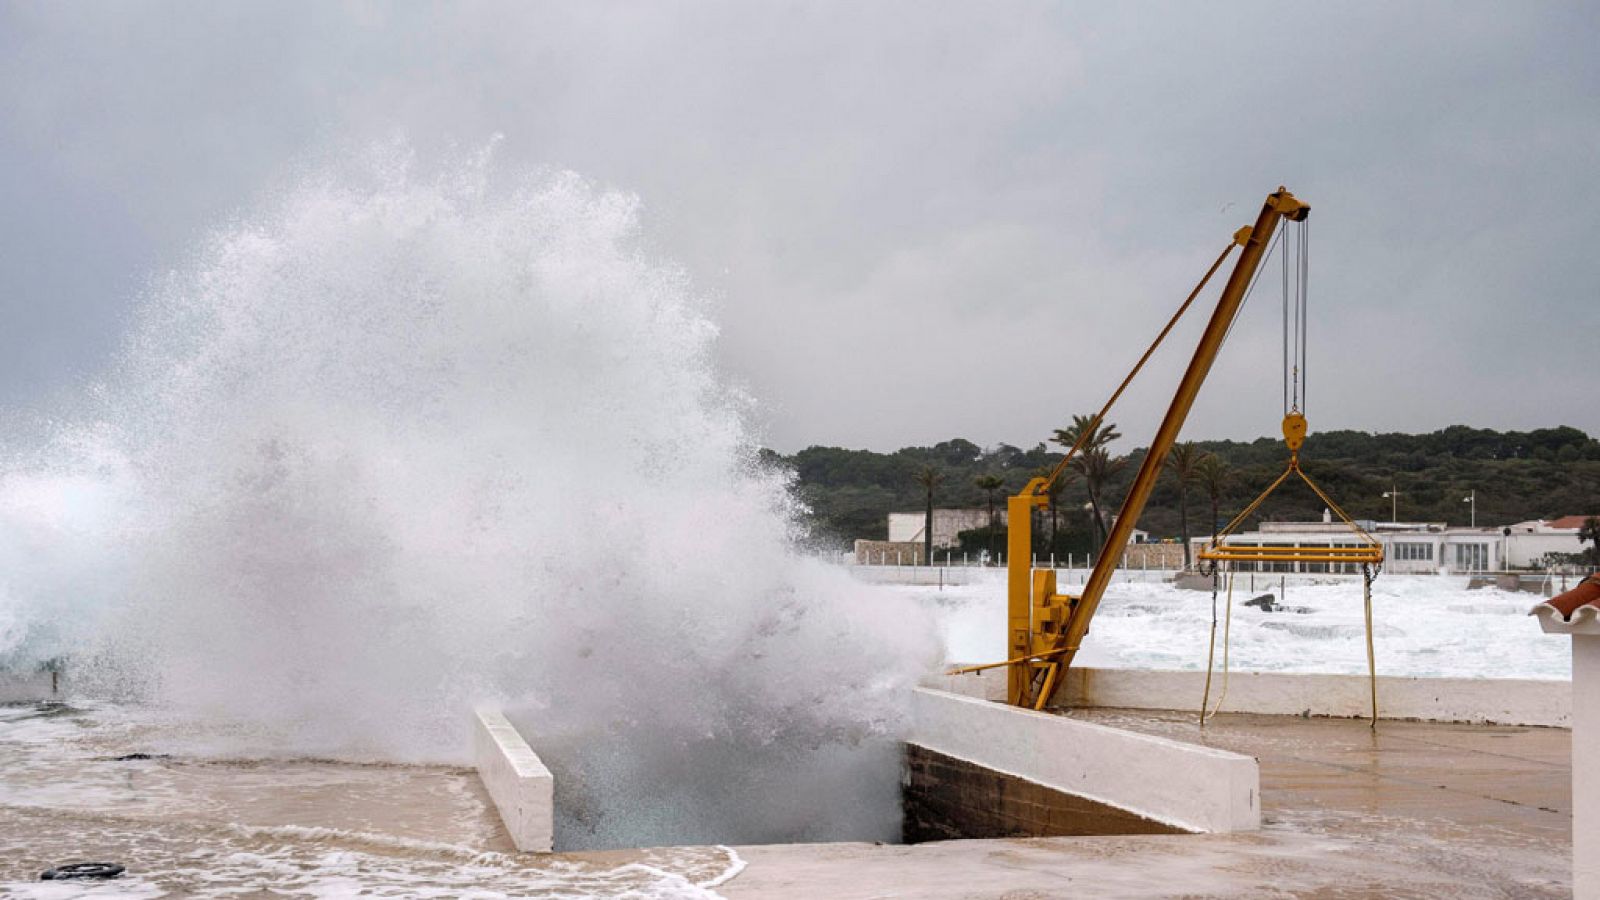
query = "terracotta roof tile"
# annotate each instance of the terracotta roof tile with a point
(1568, 522)
(1587, 593)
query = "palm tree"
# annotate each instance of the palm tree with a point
(989, 484)
(1213, 475)
(1098, 466)
(1184, 461)
(1093, 462)
(1103, 433)
(929, 477)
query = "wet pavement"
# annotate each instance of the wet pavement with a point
(1415, 810)
(132, 787)
(1492, 776)
(1411, 810)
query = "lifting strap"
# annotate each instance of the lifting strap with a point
(1207, 711)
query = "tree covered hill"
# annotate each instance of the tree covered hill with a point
(1518, 475)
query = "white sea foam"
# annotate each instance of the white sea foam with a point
(400, 441)
(1424, 625)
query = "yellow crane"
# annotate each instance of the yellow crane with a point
(1044, 628)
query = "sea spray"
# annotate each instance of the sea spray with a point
(400, 441)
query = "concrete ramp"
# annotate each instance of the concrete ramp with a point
(983, 769)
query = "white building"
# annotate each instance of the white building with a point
(906, 527)
(1529, 543)
(1435, 548)
(1417, 547)
(947, 525)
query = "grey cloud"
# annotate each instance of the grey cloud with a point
(917, 220)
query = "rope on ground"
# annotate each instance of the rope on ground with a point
(1227, 635)
(1372, 664)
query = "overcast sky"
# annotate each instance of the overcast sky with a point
(916, 220)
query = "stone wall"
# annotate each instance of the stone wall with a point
(1153, 556)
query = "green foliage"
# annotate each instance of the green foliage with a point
(1101, 434)
(1183, 461)
(1518, 475)
(1590, 533)
(928, 478)
(976, 542)
(1094, 462)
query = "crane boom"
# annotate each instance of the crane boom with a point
(1044, 628)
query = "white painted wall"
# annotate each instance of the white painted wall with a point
(906, 527)
(947, 524)
(1500, 700)
(522, 789)
(1585, 774)
(1184, 785)
(1519, 549)
(1584, 627)
(1525, 549)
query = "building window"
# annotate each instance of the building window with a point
(1472, 557)
(1413, 551)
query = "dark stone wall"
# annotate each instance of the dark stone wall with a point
(945, 798)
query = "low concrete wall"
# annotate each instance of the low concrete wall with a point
(29, 687)
(1180, 785)
(1501, 701)
(990, 684)
(522, 789)
(888, 553)
(926, 575)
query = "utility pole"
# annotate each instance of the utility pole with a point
(1392, 495)
(1472, 498)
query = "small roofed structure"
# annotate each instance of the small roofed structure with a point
(1579, 606)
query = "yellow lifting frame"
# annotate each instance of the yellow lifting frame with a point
(1369, 551)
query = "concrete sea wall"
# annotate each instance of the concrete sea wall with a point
(1500, 701)
(522, 789)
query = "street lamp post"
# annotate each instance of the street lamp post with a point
(1392, 496)
(1472, 498)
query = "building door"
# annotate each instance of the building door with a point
(1472, 557)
